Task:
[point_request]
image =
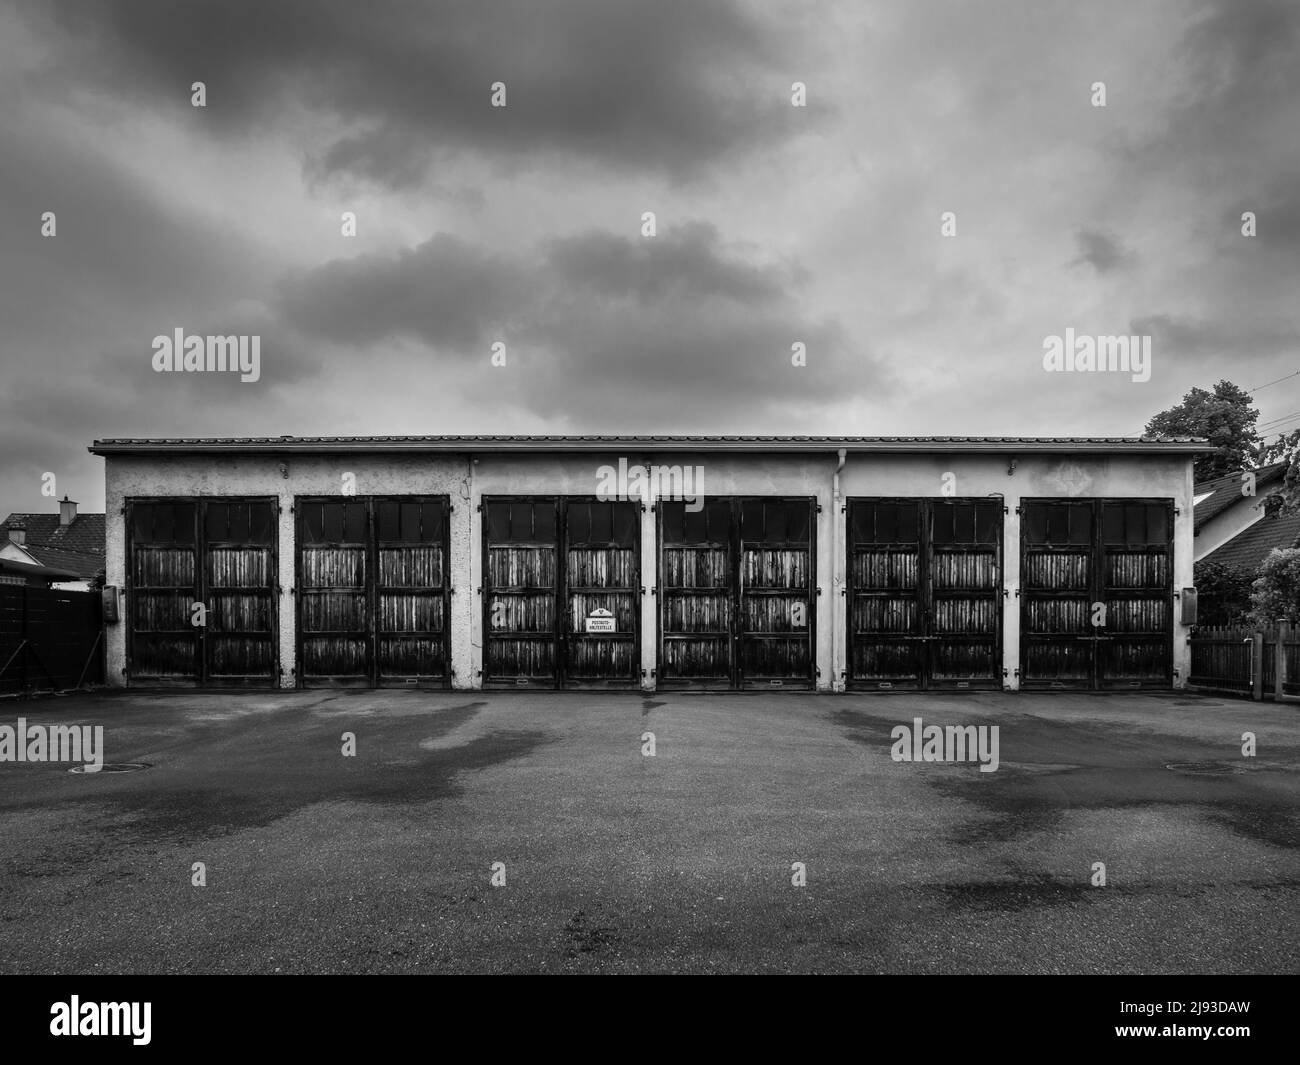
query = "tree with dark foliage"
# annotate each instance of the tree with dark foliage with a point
(1226, 417)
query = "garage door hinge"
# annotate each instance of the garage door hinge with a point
(480, 589)
(819, 508)
(479, 510)
(819, 591)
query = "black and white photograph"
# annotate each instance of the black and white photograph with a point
(650, 487)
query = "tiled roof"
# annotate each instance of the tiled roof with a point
(1226, 490)
(650, 443)
(1251, 546)
(84, 536)
(81, 564)
(26, 569)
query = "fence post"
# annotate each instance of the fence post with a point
(22, 661)
(1283, 630)
(1257, 666)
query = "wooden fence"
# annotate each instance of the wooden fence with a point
(50, 640)
(1260, 663)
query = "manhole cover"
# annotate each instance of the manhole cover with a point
(111, 767)
(1205, 768)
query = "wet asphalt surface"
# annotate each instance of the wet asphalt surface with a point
(680, 862)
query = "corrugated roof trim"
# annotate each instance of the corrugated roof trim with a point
(505, 443)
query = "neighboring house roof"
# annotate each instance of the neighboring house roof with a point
(1224, 491)
(79, 543)
(1252, 545)
(1093, 444)
(80, 564)
(84, 534)
(26, 569)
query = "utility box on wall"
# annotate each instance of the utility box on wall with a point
(1187, 599)
(109, 598)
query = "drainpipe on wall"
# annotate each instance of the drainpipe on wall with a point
(837, 563)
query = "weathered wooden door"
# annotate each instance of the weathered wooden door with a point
(240, 582)
(777, 594)
(737, 593)
(333, 591)
(925, 593)
(521, 559)
(602, 580)
(561, 594)
(697, 593)
(1096, 593)
(372, 591)
(412, 592)
(217, 553)
(163, 588)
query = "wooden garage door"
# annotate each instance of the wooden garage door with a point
(372, 591)
(220, 553)
(240, 582)
(737, 593)
(520, 592)
(777, 593)
(164, 586)
(925, 593)
(561, 595)
(602, 581)
(697, 592)
(1096, 593)
(412, 591)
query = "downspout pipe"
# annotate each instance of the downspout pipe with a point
(837, 562)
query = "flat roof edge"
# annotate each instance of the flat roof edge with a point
(770, 445)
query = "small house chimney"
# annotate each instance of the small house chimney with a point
(67, 511)
(17, 533)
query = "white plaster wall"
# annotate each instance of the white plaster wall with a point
(467, 481)
(1224, 526)
(129, 476)
(1062, 475)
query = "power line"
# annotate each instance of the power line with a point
(1283, 418)
(1280, 430)
(1279, 380)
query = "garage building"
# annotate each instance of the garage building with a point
(859, 563)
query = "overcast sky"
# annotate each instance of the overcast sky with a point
(776, 224)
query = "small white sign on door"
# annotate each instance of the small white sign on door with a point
(600, 620)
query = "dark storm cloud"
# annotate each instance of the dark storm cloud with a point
(601, 312)
(1100, 251)
(1243, 52)
(667, 88)
(1185, 337)
(686, 259)
(446, 293)
(1239, 85)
